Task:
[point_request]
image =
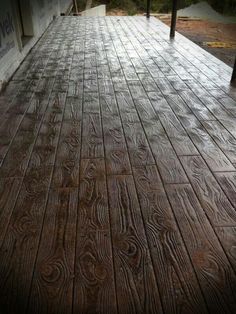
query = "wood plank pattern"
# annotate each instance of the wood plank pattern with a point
(165, 156)
(117, 159)
(94, 279)
(139, 150)
(66, 170)
(227, 236)
(17, 158)
(9, 189)
(135, 279)
(199, 109)
(223, 138)
(117, 174)
(8, 129)
(19, 248)
(52, 285)
(170, 258)
(212, 154)
(175, 131)
(217, 282)
(92, 141)
(213, 200)
(227, 181)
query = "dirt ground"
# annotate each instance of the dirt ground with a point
(117, 12)
(201, 32)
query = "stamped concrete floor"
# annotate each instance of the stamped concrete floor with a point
(118, 174)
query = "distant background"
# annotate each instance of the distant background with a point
(211, 24)
(162, 6)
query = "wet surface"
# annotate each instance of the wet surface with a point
(117, 177)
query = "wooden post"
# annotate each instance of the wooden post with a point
(76, 6)
(148, 8)
(173, 18)
(233, 79)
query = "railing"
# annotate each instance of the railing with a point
(173, 27)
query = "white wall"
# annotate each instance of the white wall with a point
(11, 50)
(99, 10)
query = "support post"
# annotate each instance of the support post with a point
(148, 8)
(76, 7)
(173, 18)
(233, 79)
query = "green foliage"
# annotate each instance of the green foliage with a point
(140, 5)
(129, 5)
(163, 6)
(226, 6)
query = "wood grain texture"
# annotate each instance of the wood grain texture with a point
(126, 107)
(45, 84)
(9, 189)
(212, 154)
(229, 123)
(177, 135)
(177, 83)
(108, 106)
(165, 156)
(91, 102)
(178, 285)
(52, 285)
(38, 104)
(20, 245)
(215, 107)
(94, 279)
(20, 103)
(66, 172)
(227, 181)
(198, 108)
(227, 236)
(145, 110)
(106, 87)
(60, 84)
(8, 129)
(74, 88)
(148, 83)
(139, 150)
(17, 158)
(135, 279)
(212, 198)
(179, 107)
(229, 103)
(102, 118)
(92, 140)
(22, 236)
(213, 270)
(46, 144)
(223, 138)
(164, 85)
(8, 95)
(73, 109)
(137, 90)
(117, 159)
